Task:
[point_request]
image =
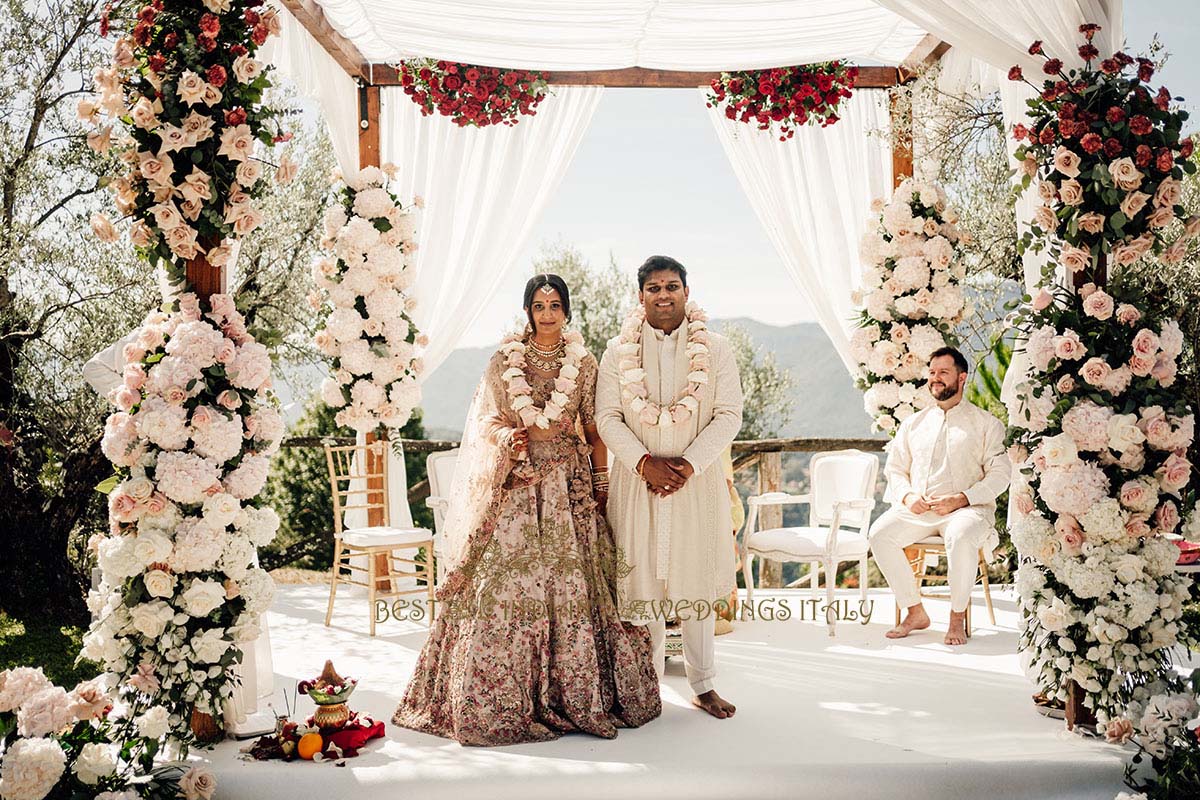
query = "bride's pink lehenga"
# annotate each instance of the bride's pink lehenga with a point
(527, 643)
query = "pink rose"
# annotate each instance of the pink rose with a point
(528, 416)
(1164, 370)
(202, 417)
(133, 353)
(1065, 384)
(649, 415)
(227, 352)
(1091, 222)
(1095, 371)
(122, 507)
(156, 503)
(1075, 259)
(1043, 300)
(1068, 346)
(1127, 314)
(680, 414)
(1098, 304)
(1140, 366)
(174, 395)
(189, 306)
(1173, 475)
(563, 385)
(1136, 496)
(229, 399)
(1024, 502)
(1166, 517)
(1133, 459)
(1066, 162)
(1137, 527)
(1071, 192)
(126, 398)
(1069, 533)
(1133, 204)
(135, 376)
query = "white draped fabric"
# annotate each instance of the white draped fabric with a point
(483, 190)
(611, 34)
(812, 194)
(297, 55)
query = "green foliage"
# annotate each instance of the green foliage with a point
(34, 639)
(985, 386)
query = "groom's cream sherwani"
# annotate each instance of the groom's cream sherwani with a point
(678, 547)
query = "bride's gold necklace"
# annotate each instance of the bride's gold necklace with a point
(545, 360)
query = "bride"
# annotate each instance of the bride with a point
(527, 643)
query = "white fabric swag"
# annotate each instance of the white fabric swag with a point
(611, 34)
(483, 190)
(298, 56)
(812, 194)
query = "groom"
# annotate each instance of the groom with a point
(668, 403)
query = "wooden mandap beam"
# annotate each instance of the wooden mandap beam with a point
(309, 14)
(641, 78)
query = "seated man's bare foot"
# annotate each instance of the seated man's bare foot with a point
(915, 620)
(712, 702)
(956, 634)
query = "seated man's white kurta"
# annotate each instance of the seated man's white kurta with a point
(945, 469)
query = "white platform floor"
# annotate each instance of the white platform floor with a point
(854, 716)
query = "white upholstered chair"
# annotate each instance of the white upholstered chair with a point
(841, 497)
(439, 469)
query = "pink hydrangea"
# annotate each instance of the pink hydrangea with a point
(196, 342)
(1087, 424)
(251, 367)
(47, 712)
(20, 683)
(1073, 489)
(184, 477)
(248, 479)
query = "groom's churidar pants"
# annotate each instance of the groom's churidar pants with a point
(964, 531)
(699, 650)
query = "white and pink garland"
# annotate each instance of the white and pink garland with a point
(912, 299)
(191, 439)
(368, 333)
(521, 393)
(633, 374)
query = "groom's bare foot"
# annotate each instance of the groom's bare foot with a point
(956, 634)
(711, 702)
(915, 620)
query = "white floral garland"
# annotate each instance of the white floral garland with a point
(633, 375)
(912, 299)
(370, 239)
(521, 393)
(191, 439)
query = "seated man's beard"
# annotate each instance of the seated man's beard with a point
(945, 392)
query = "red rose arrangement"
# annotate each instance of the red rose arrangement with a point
(789, 97)
(470, 94)
(1108, 158)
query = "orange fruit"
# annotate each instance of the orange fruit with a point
(309, 745)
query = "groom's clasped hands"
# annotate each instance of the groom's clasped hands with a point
(664, 476)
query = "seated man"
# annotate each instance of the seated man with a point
(945, 469)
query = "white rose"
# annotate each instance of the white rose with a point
(159, 583)
(95, 761)
(150, 619)
(210, 646)
(203, 597)
(153, 724)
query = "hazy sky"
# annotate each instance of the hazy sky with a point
(650, 177)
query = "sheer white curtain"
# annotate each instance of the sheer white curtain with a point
(812, 194)
(298, 56)
(483, 191)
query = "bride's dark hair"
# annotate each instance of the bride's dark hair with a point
(554, 282)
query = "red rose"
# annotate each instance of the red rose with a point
(1035, 48)
(1142, 155)
(1145, 70)
(216, 75)
(1109, 66)
(1163, 99)
(1053, 66)
(1019, 132)
(510, 79)
(1123, 59)
(1046, 136)
(210, 24)
(238, 50)
(1014, 74)
(1091, 143)
(1165, 160)
(158, 62)
(1067, 111)
(259, 35)
(171, 40)
(1112, 147)
(141, 34)
(1088, 51)
(1140, 125)
(451, 68)
(1187, 147)
(472, 74)
(252, 18)
(235, 116)
(1114, 115)
(146, 14)
(425, 73)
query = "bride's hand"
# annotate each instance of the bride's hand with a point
(518, 444)
(601, 501)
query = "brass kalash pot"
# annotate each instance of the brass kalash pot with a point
(329, 692)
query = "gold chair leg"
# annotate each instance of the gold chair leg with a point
(371, 589)
(333, 580)
(987, 591)
(429, 573)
